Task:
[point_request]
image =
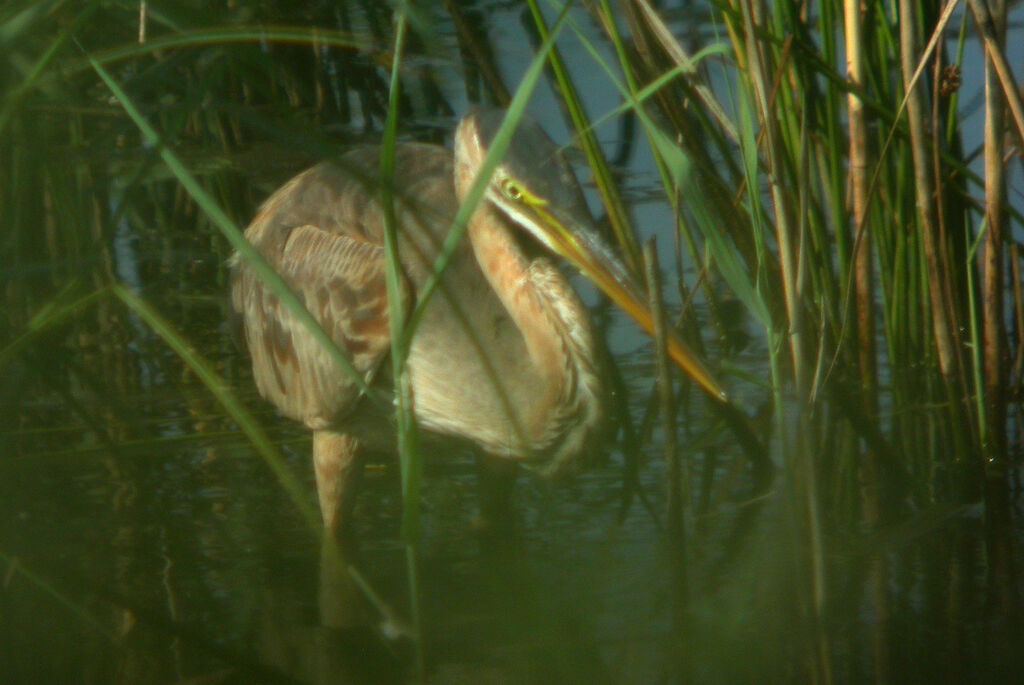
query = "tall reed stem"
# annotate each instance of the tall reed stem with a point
(998, 508)
(864, 307)
(924, 188)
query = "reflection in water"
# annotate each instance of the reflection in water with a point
(141, 541)
(350, 643)
(204, 569)
(126, 269)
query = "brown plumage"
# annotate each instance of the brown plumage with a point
(503, 357)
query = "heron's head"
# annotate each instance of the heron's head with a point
(534, 187)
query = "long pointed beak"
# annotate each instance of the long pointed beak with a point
(592, 257)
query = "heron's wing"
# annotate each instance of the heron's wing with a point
(340, 279)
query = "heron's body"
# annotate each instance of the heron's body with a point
(476, 375)
(473, 376)
(503, 356)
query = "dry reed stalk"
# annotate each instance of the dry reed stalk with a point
(991, 18)
(925, 189)
(789, 243)
(983, 18)
(992, 257)
(864, 302)
(859, 186)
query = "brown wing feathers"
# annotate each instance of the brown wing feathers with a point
(344, 289)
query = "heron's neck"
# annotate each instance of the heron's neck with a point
(545, 308)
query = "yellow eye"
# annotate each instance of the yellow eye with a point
(510, 190)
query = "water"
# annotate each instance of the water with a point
(197, 531)
(182, 558)
(144, 541)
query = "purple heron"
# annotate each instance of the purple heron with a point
(503, 356)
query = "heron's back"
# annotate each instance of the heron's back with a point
(323, 231)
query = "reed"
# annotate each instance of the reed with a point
(816, 165)
(831, 206)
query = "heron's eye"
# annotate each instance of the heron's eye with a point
(510, 189)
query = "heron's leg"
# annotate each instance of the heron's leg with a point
(339, 471)
(339, 468)
(497, 478)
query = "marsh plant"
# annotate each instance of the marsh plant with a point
(841, 245)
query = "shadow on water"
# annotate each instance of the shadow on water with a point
(142, 541)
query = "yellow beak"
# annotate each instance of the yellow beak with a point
(598, 264)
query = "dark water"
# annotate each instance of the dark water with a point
(157, 547)
(144, 540)
(195, 531)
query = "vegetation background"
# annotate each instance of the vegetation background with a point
(832, 189)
